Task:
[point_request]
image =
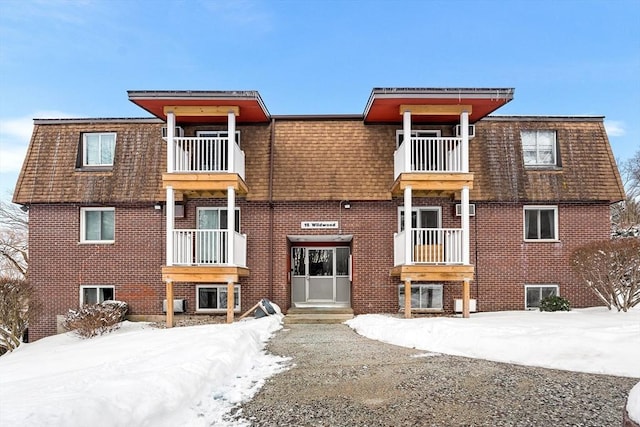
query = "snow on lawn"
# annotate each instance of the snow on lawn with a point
(138, 376)
(593, 340)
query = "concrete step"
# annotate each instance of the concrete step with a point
(318, 315)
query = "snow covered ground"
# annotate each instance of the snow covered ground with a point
(193, 376)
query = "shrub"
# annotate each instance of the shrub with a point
(611, 269)
(96, 319)
(17, 308)
(555, 303)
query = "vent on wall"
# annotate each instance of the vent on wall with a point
(472, 209)
(472, 131)
(178, 132)
(179, 306)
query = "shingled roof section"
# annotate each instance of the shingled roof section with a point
(49, 173)
(587, 170)
(332, 159)
(319, 158)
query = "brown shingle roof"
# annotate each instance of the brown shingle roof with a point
(320, 158)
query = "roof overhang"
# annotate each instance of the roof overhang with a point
(192, 107)
(434, 105)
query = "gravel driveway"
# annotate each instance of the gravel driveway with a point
(339, 378)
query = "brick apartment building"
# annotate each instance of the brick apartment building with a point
(309, 211)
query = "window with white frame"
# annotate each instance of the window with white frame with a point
(421, 217)
(416, 134)
(97, 225)
(94, 294)
(217, 134)
(423, 296)
(98, 149)
(213, 298)
(539, 147)
(216, 218)
(541, 223)
(533, 294)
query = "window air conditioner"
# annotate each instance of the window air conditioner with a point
(457, 305)
(472, 209)
(472, 131)
(179, 306)
(178, 132)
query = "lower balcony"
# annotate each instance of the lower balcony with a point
(205, 256)
(436, 254)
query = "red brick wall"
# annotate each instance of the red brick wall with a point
(504, 262)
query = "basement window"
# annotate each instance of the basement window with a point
(98, 149)
(536, 293)
(94, 294)
(213, 298)
(423, 297)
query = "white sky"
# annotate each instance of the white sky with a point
(314, 57)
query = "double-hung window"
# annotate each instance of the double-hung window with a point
(423, 296)
(536, 293)
(97, 225)
(98, 149)
(94, 294)
(539, 148)
(541, 223)
(213, 298)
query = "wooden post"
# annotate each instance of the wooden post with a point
(465, 298)
(407, 298)
(230, 302)
(169, 304)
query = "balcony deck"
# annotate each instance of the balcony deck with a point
(433, 272)
(203, 274)
(204, 185)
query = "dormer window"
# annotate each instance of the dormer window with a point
(539, 148)
(98, 149)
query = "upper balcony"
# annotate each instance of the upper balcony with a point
(205, 166)
(431, 165)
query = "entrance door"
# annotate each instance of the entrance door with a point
(320, 276)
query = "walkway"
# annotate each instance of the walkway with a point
(339, 378)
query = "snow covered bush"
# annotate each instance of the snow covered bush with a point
(611, 268)
(555, 303)
(96, 319)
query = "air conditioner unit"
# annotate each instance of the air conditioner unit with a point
(472, 209)
(472, 131)
(457, 305)
(178, 132)
(179, 306)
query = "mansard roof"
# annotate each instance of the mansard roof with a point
(321, 158)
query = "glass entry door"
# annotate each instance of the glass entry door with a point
(320, 276)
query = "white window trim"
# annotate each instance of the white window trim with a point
(84, 149)
(426, 285)
(541, 285)
(216, 208)
(417, 209)
(425, 133)
(556, 221)
(83, 226)
(216, 134)
(83, 287)
(554, 147)
(217, 310)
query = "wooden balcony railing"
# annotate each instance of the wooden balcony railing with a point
(429, 246)
(208, 247)
(431, 155)
(206, 154)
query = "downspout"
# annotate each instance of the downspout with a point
(477, 276)
(271, 213)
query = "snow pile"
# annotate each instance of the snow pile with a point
(138, 375)
(593, 340)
